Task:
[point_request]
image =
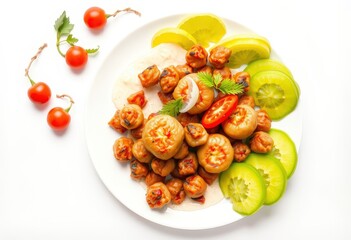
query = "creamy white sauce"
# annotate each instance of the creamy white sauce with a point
(128, 83)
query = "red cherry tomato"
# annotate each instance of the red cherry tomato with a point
(76, 57)
(219, 111)
(95, 18)
(39, 93)
(59, 118)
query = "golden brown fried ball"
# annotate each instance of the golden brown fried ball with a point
(261, 142)
(150, 76)
(196, 57)
(122, 149)
(219, 56)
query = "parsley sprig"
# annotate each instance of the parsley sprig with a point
(63, 28)
(216, 81)
(172, 108)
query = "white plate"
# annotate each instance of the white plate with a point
(100, 137)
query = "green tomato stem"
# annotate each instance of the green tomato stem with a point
(59, 50)
(58, 42)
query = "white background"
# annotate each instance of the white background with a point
(48, 186)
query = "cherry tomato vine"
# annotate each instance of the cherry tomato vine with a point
(95, 17)
(59, 118)
(76, 56)
(39, 92)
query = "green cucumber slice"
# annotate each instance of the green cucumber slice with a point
(284, 149)
(270, 65)
(274, 92)
(273, 174)
(245, 187)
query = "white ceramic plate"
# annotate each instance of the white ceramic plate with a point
(100, 137)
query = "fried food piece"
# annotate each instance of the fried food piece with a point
(244, 79)
(247, 100)
(140, 152)
(138, 170)
(208, 177)
(194, 186)
(165, 97)
(241, 151)
(137, 98)
(261, 142)
(169, 79)
(182, 152)
(115, 123)
(162, 167)
(150, 76)
(158, 195)
(195, 134)
(137, 132)
(131, 116)
(219, 56)
(206, 69)
(188, 165)
(152, 178)
(122, 149)
(241, 123)
(163, 136)
(264, 122)
(175, 173)
(175, 187)
(216, 154)
(186, 118)
(224, 72)
(184, 70)
(196, 56)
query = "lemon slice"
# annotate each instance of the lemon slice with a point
(205, 28)
(173, 35)
(244, 36)
(245, 51)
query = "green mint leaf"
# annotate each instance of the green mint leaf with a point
(172, 108)
(230, 87)
(217, 79)
(206, 78)
(92, 50)
(71, 40)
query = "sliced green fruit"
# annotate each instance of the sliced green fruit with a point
(270, 65)
(228, 41)
(205, 28)
(173, 35)
(245, 187)
(245, 51)
(274, 92)
(267, 65)
(284, 149)
(273, 174)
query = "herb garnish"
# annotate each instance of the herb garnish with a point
(64, 27)
(216, 81)
(172, 108)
